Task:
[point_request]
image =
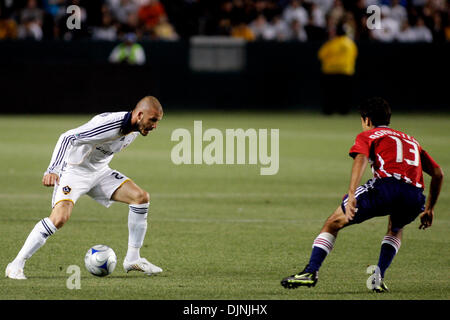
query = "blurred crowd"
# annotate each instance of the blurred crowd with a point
(269, 20)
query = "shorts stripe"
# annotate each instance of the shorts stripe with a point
(123, 183)
(63, 200)
(361, 189)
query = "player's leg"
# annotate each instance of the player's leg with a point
(404, 210)
(38, 237)
(367, 205)
(115, 186)
(72, 185)
(389, 247)
(324, 242)
(61, 213)
(138, 201)
(322, 246)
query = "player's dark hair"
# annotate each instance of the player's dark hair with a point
(377, 110)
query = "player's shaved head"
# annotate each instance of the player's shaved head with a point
(148, 103)
(146, 114)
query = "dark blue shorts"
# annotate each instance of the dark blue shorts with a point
(387, 196)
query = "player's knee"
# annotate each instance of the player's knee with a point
(142, 196)
(336, 222)
(61, 213)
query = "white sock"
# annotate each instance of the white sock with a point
(36, 239)
(137, 227)
(325, 241)
(393, 241)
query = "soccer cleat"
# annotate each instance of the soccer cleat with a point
(376, 283)
(303, 278)
(142, 265)
(381, 287)
(14, 273)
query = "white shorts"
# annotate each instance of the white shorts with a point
(99, 185)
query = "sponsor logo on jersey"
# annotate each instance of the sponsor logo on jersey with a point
(105, 152)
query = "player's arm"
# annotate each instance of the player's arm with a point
(359, 165)
(51, 175)
(437, 177)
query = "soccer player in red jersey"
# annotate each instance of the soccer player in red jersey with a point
(397, 162)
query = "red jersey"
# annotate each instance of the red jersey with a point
(395, 154)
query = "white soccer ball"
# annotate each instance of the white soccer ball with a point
(100, 260)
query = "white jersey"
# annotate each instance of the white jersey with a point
(93, 145)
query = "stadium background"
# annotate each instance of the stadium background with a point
(48, 68)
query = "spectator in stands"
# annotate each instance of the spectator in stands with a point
(421, 32)
(121, 9)
(242, 30)
(151, 13)
(128, 52)
(398, 12)
(447, 27)
(165, 31)
(131, 26)
(338, 58)
(314, 32)
(224, 19)
(54, 7)
(389, 27)
(32, 13)
(31, 21)
(317, 16)
(280, 27)
(107, 31)
(297, 32)
(438, 30)
(8, 27)
(406, 34)
(29, 29)
(349, 25)
(261, 29)
(61, 30)
(295, 11)
(337, 12)
(150, 19)
(324, 5)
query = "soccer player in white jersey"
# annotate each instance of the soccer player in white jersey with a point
(79, 165)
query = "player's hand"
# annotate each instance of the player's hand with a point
(426, 219)
(50, 179)
(350, 208)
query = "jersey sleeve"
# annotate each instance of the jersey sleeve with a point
(362, 145)
(99, 129)
(63, 144)
(428, 163)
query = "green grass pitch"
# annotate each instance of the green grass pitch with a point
(221, 231)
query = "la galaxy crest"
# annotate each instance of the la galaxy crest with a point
(66, 190)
